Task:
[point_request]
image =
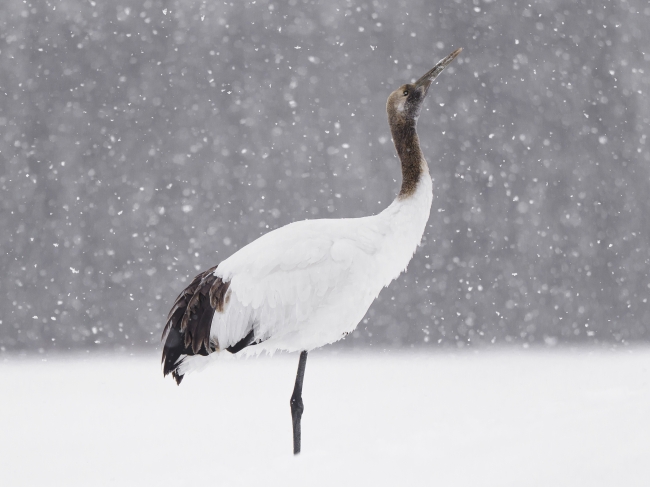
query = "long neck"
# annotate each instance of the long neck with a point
(407, 145)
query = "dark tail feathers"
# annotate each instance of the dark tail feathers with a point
(187, 331)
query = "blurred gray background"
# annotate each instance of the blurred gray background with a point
(143, 141)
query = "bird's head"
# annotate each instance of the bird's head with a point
(405, 103)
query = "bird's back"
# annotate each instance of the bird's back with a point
(302, 285)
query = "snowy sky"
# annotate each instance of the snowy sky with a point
(145, 141)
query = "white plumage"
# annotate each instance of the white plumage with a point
(311, 282)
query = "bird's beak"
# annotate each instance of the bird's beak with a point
(426, 80)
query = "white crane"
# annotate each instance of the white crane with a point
(311, 282)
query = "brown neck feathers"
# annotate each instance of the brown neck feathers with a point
(407, 145)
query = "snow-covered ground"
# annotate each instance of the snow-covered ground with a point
(488, 418)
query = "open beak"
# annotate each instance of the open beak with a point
(426, 80)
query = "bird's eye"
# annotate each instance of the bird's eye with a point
(405, 93)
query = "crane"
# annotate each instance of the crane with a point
(309, 283)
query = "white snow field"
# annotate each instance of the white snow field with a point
(487, 418)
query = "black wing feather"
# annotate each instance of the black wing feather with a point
(187, 331)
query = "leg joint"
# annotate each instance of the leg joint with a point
(296, 404)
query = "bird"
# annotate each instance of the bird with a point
(309, 283)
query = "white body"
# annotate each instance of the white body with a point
(311, 282)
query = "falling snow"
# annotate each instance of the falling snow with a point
(143, 141)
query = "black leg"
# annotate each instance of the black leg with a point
(296, 402)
